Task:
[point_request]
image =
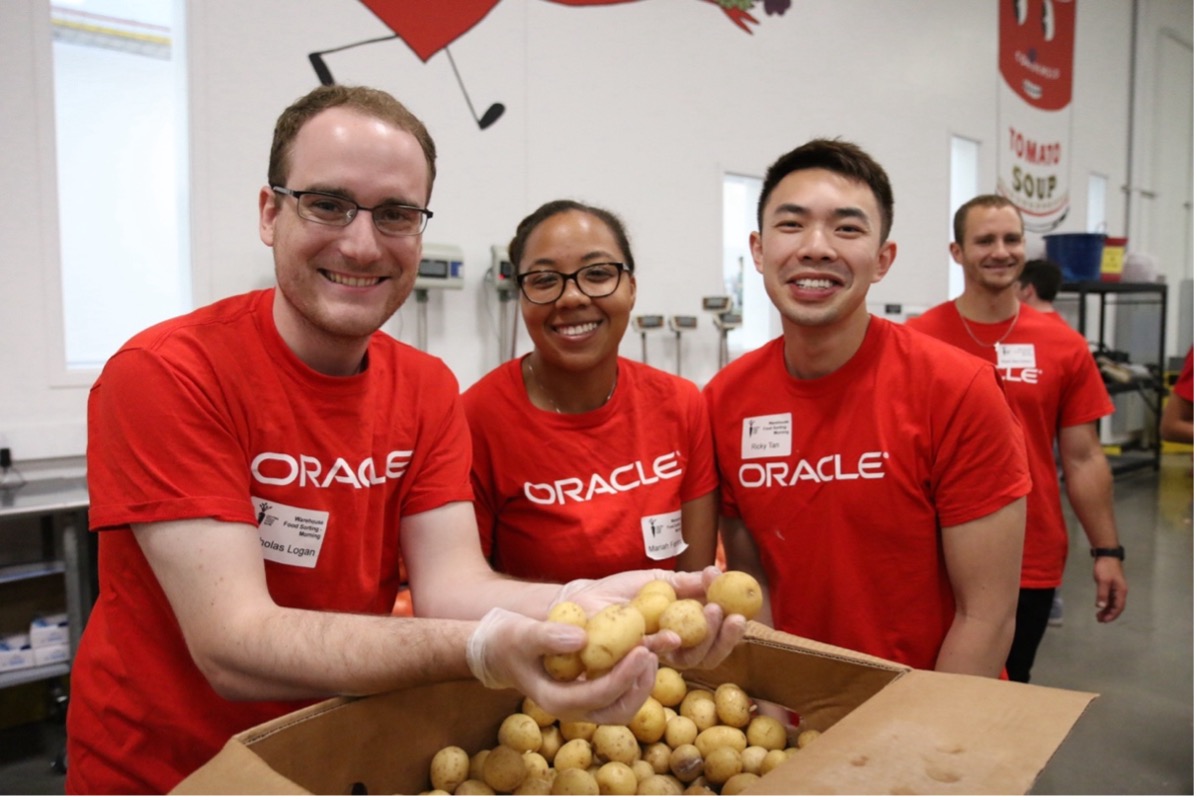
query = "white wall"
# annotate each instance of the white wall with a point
(640, 107)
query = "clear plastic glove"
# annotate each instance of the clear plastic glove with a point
(506, 651)
(723, 634)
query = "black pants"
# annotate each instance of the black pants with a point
(1034, 607)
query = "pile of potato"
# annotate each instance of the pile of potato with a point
(683, 740)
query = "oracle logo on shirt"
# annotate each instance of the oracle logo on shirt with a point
(765, 474)
(1020, 375)
(621, 479)
(284, 469)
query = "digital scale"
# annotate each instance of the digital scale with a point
(442, 266)
(725, 320)
(678, 324)
(501, 276)
(645, 323)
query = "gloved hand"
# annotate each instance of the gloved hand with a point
(506, 651)
(723, 634)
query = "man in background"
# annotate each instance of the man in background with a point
(871, 477)
(1058, 394)
(1039, 284)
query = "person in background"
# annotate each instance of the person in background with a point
(1038, 285)
(1058, 394)
(1176, 423)
(586, 463)
(871, 477)
(260, 468)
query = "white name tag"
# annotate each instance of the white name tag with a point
(290, 535)
(766, 437)
(663, 535)
(1015, 355)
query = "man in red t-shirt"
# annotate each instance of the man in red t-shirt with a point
(1176, 424)
(873, 478)
(261, 470)
(1057, 393)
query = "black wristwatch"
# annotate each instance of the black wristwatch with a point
(1118, 552)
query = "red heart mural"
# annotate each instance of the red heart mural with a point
(429, 25)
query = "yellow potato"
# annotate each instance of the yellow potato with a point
(473, 786)
(733, 705)
(740, 783)
(772, 759)
(699, 705)
(657, 755)
(550, 741)
(504, 769)
(685, 763)
(450, 767)
(615, 777)
(721, 764)
(679, 731)
(767, 732)
(669, 688)
(806, 737)
(752, 757)
(538, 766)
(659, 586)
(566, 666)
(536, 786)
(610, 635)
(648, 725)
(650, 606)
(476, 762)
(615, 743)
(736, 593)
(642, 769)
(718, 736)
(542, 717)
(521, 733)
(685, 618)
(659, 785)
(574, 781)
(574, 754)
(568, 613)
(576, 729)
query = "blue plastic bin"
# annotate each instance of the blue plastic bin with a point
(1078, 254)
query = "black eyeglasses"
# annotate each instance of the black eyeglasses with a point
(594, 280)
(391, 219)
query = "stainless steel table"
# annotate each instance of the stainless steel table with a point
(64, 502)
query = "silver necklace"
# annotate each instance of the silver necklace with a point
(545, 392)
(1001, 338)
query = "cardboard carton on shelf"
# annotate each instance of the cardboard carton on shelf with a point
(887, 729)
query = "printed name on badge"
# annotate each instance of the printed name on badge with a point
(1015, 355)
(767, 437)
(290, 535)
(663, 535)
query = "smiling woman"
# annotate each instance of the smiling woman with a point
(586, 463)
(121, 144)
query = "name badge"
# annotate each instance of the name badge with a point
(290, 535)
(766, 437)
(1015, 355)
(663, 535)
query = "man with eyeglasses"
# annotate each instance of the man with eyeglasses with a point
(261, 468)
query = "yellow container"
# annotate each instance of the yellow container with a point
(1112, 256)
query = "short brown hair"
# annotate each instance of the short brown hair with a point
(980, 201)
(515, 250)
(372, 102)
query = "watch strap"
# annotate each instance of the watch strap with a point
(1118, 552)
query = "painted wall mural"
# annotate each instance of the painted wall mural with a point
(430, 26)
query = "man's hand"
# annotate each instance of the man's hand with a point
(506, 650)
(1111, 588)
(722, 633)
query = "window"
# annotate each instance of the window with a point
(120, 137)
(740, 278)
(964, 172)
(1096, 220)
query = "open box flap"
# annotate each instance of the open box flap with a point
(936, 733)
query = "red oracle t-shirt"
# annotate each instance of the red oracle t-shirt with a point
(846, 481)
(1052, 382)
(212, 415)
(565, 496)
(1184, 382)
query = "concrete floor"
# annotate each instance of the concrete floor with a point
(1136, 738)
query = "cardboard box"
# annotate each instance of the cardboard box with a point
(51, 654)
(15, 652)
(49, 629)
(887, 729)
